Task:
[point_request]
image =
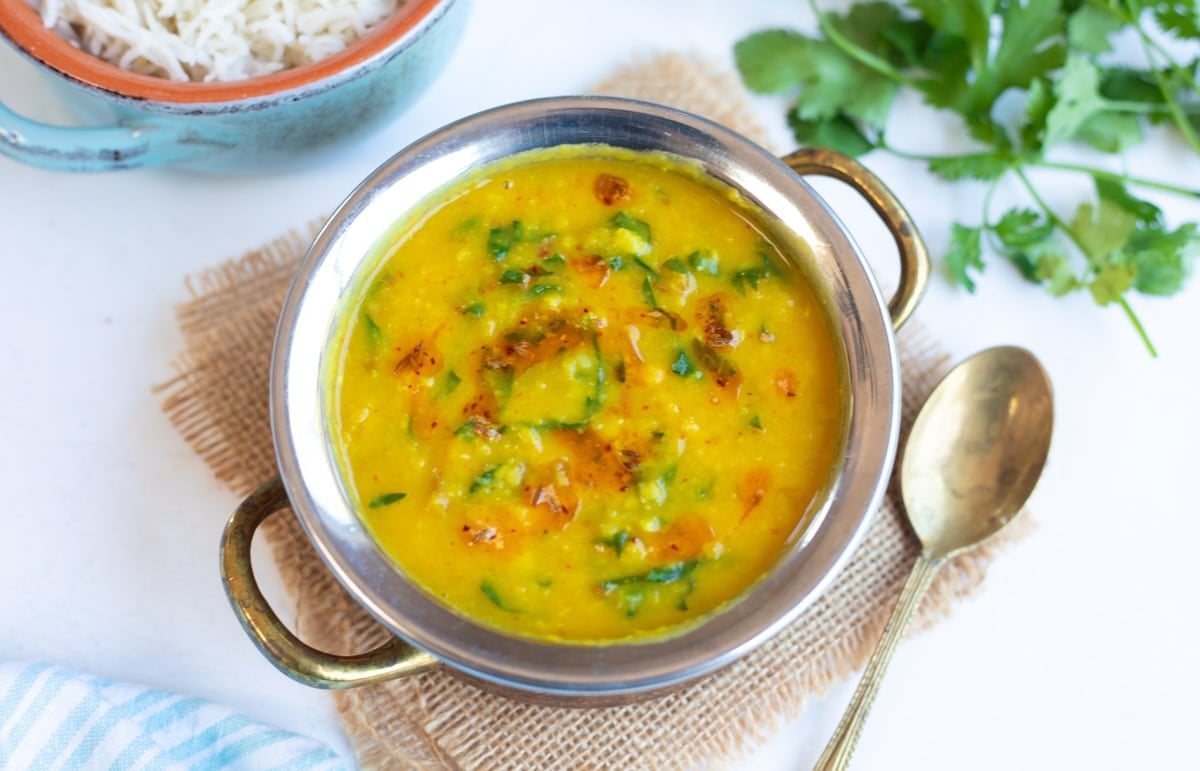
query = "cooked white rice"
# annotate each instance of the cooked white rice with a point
(212, 40)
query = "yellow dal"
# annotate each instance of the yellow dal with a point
(586, 399)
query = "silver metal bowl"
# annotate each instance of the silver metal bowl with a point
(430, 634)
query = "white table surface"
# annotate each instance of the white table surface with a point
(1079, 652)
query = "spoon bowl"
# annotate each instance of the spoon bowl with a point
(974, 454)
(977, 449)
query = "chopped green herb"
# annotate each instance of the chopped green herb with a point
(668, 475)
(683, 364)
(374, 333)
(756, 423)
(704, 492)
(620, 370)
(664, 574)
(533, 335)
(466, 430)
(682, 604)
(541, 289)
(634, 225)
(616, 263)
(554, 263)
(489, 591)
(676, 265)
(378, 284)
(645, 266)
(648, 293)
(594, 402)
(449, 383)
(753, 275)
(704, 262)
(474, 309)
(617, 541)
(387, 499)
(631, 600)
(465, 227)
(483, 481)
(513, 277)
(558, 424)
(502, 239)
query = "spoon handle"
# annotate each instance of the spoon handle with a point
(841, 745)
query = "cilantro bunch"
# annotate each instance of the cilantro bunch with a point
(963, 56)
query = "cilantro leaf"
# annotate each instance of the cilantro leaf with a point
(1101, 229)
(1039, 101)
(704, 262)
(683, 364)
(1111, 132)
(374, 332)
(838, 133)
(489, 590)
(1023, 228)
(966, 19)
(617, 541)
(1030, 44)
(1054, 270)
(675, 264)
(663, 574)
(1111, 282)
(1126, 84)
(1090, 26)
(1115, 192)
(1078, 92)
(832, 81)
(964, 254)
(502, 239)
(627, 221)
(840, 85)
(981, 166)
(387, 499)
(1163, 258)
(1178, 17)
(774, 60)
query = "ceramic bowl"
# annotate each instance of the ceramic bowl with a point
(260, 123)
(428, 633)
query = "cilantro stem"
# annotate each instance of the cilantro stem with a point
(1141, 108)
(989, 227)
(1112, 176)
(1137, 324)
(1177, 113)
(909, 155)
(1050, 213)
(856, 52)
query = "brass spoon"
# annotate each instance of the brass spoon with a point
(974, 454)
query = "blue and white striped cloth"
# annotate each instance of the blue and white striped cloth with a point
(54, 718)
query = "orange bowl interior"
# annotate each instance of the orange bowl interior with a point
(22, 24)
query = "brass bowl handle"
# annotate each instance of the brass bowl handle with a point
(288, 653)
(914, 258)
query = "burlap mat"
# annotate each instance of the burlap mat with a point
(218, 402)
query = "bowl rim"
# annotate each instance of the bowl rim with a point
(22, 25)
(566, 670)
